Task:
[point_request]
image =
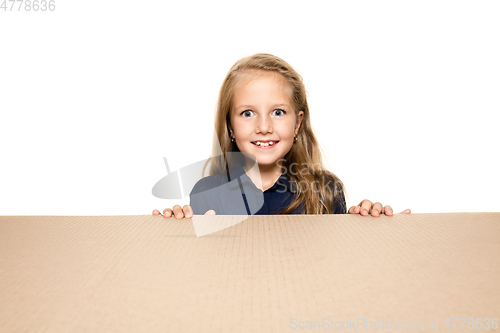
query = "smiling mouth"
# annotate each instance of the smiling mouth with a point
(269, 143)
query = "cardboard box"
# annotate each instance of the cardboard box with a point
(265, 274)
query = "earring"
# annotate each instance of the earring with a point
(295, 139)
(233, 139)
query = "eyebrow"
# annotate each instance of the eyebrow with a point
(251, 106)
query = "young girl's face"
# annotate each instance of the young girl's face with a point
(263, 121)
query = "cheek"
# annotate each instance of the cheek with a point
(287, 131)
(240, 130)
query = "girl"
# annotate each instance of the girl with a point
(262, 113)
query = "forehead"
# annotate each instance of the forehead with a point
(261, 85)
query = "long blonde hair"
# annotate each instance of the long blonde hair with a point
(317, 198)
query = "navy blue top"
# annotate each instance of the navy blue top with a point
(236, 194)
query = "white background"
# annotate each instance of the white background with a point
(404, 97)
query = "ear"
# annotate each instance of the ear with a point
(300, 116)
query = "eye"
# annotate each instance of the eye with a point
(247, 113)
(279, 112)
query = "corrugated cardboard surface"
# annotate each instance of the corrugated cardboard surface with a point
(265, 274)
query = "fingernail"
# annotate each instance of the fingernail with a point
(375, 212)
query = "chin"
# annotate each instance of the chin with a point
(266, 161)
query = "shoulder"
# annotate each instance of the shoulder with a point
(218, 194)
(203, 193)
(208, 183)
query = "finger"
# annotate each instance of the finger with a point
(167, 212)
(376, 209)
(406, 211)
(365, 207)
(178, 213)
(387, 210)
(210, 212)
(156, 212)
(188, 212)
(354, 210)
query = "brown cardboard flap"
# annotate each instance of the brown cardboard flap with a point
(264, 274)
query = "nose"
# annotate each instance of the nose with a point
(264, 125)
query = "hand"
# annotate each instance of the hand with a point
(366, 207)
(179, 213)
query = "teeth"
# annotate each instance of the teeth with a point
(265, 144)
